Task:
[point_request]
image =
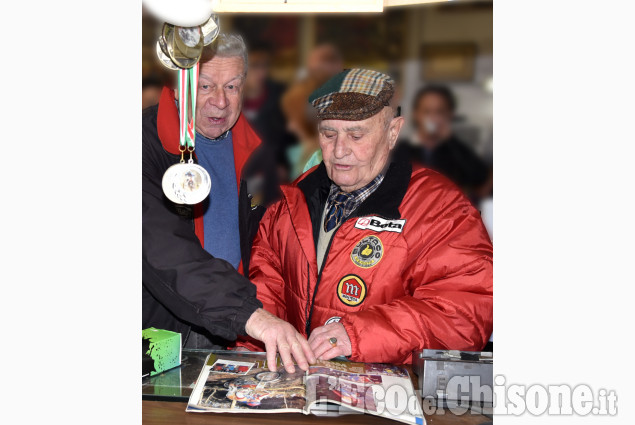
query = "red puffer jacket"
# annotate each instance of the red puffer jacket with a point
(410, 269)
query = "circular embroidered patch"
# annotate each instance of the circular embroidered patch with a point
(351, 290)
(333, 319)
(367, 252)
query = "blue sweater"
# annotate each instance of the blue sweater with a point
(220, 219)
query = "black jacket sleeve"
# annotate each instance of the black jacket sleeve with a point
(192, 284)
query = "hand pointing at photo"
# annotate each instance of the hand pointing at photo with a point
(280, 336)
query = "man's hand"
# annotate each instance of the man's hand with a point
(279, 336)
(319, 341)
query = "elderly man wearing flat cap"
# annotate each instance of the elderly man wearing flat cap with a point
(365, 257)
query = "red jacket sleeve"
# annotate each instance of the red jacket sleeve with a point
(265, 271)
(449, 301)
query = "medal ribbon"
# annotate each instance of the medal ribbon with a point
(187, 87)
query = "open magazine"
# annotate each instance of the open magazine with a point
(240, 382)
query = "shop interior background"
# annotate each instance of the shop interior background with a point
(448, 43)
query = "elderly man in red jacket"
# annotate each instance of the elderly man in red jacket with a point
(365, 257)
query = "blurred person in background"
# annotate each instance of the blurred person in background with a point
(150, 91)
(436, 147)
(323, 62)
(261, 104)
(302, 122)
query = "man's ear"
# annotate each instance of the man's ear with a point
(394, 129)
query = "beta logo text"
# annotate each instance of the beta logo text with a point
(379, 224)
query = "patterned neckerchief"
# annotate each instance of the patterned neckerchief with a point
(343, 204)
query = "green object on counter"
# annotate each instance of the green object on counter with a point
(161, 350)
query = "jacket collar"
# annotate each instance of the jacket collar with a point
(168, 122)
(301, 222)
(384, 201)
(315, 185)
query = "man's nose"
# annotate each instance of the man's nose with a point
(218, 98)
(341, 147)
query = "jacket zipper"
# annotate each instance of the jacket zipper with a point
(308, 288)
(317, 283)
(326, 254)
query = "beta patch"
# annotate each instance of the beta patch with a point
(379, 224)
(368, 252)
(351, 290)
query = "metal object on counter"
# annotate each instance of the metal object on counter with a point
(453, 377)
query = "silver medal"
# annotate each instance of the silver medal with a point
(210, 29)
(165, 60)
(186, 183)
(189, 42)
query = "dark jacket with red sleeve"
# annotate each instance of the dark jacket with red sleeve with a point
(411, 268)
(185, 287)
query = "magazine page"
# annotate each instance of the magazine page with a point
(241, 382)
(377, 389)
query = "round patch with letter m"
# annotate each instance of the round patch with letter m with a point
(351, 290)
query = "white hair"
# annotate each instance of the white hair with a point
(227, 46)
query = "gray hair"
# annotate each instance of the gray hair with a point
(227, 46)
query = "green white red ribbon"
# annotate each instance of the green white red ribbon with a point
(187, 86)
